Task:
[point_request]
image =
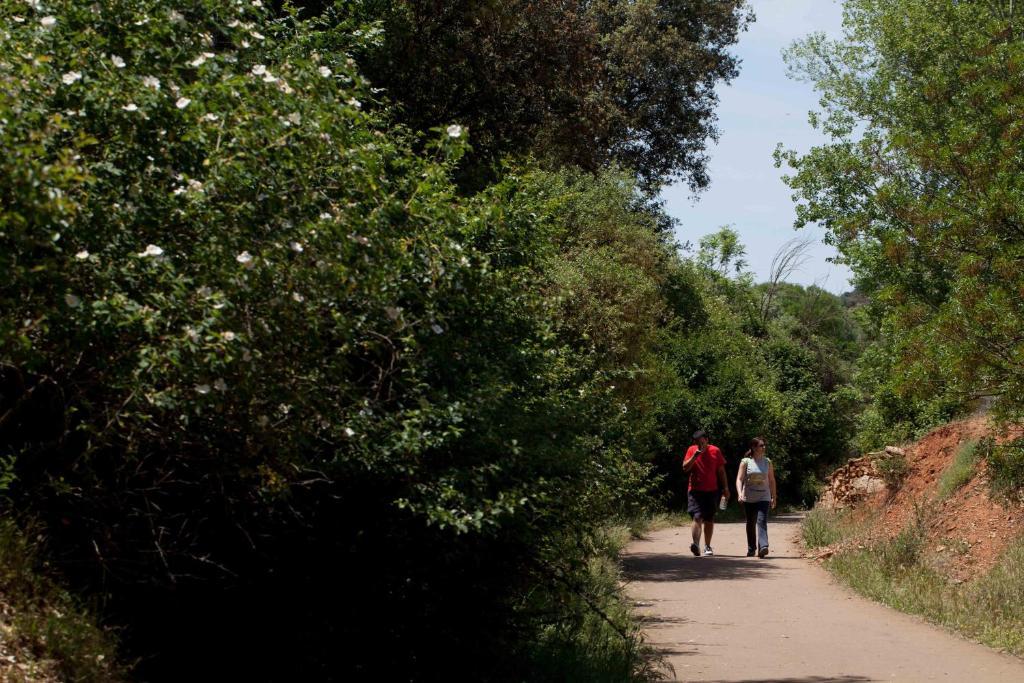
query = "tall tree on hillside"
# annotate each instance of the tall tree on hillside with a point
(921, 186)
(576, 82)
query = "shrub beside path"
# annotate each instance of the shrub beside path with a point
(734, 618)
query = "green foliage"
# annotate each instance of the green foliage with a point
(891, 414)
(1006, 468)
(49, 628)
(783, 380)
(723, 252)
(604, 643)
(896, 573)
(821, 528)
(267, 374)
(274, 372)
(919, 189)
(894, 469)
(961, 470)
(579, 83)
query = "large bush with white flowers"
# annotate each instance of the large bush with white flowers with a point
(266, 380)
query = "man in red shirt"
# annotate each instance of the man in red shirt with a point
(706, 466)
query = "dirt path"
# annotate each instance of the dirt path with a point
(734, 618)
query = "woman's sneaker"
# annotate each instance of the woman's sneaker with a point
(762, 552)
(695, 550)
(708, 551)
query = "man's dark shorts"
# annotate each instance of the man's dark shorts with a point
(702, 504)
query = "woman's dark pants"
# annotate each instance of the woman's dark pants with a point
(757, 513)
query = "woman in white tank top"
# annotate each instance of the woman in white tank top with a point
(755, 484)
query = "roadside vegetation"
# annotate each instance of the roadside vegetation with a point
(894, 469)
(903, 573)
(918, 186)
(46, 633)
(327, 325)
(962, 469)
(1005, 463)
(314, 339)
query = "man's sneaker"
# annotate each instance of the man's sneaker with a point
(762, 552)
(750, 552)
(695, 550)
(708, 551)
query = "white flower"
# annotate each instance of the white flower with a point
(297, 247)
(349, 432)
(245, 258)
(178, 191)
(269, 78)
(284, 87)
(455, 131)
(234, 23)
(47, 22)
(131, 106)
(245, 43)
(72, 300)
(191, 333)
(360, 239)
(118, 62)
(195, 186)
(257, 3)
(82, 255)
(298, 297)
(437, 328)
(392, 312)
(202, 389)
(295, 118)
(176, 17)
(325, 216)
(198, 61)
(257, 35)
(18, 20)
(151, 250)
(353, 102)
(220, 385)
(228, 336)
(325, 72)
(182, 102)
(70, 77)
(151, 82)
(210, 117)
(259, 69)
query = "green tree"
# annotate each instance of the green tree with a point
(578, 83)
(268, 379)
(920, 187)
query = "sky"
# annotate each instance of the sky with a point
(759, 109)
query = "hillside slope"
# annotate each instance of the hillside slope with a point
(918, 528)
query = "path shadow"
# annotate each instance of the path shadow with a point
(679, 567)
(659, 620)
(842, 678)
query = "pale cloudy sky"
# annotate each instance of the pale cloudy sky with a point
(761, 108)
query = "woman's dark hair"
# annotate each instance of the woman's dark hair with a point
(754, 443)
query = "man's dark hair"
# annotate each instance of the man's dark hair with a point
(700, 433)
